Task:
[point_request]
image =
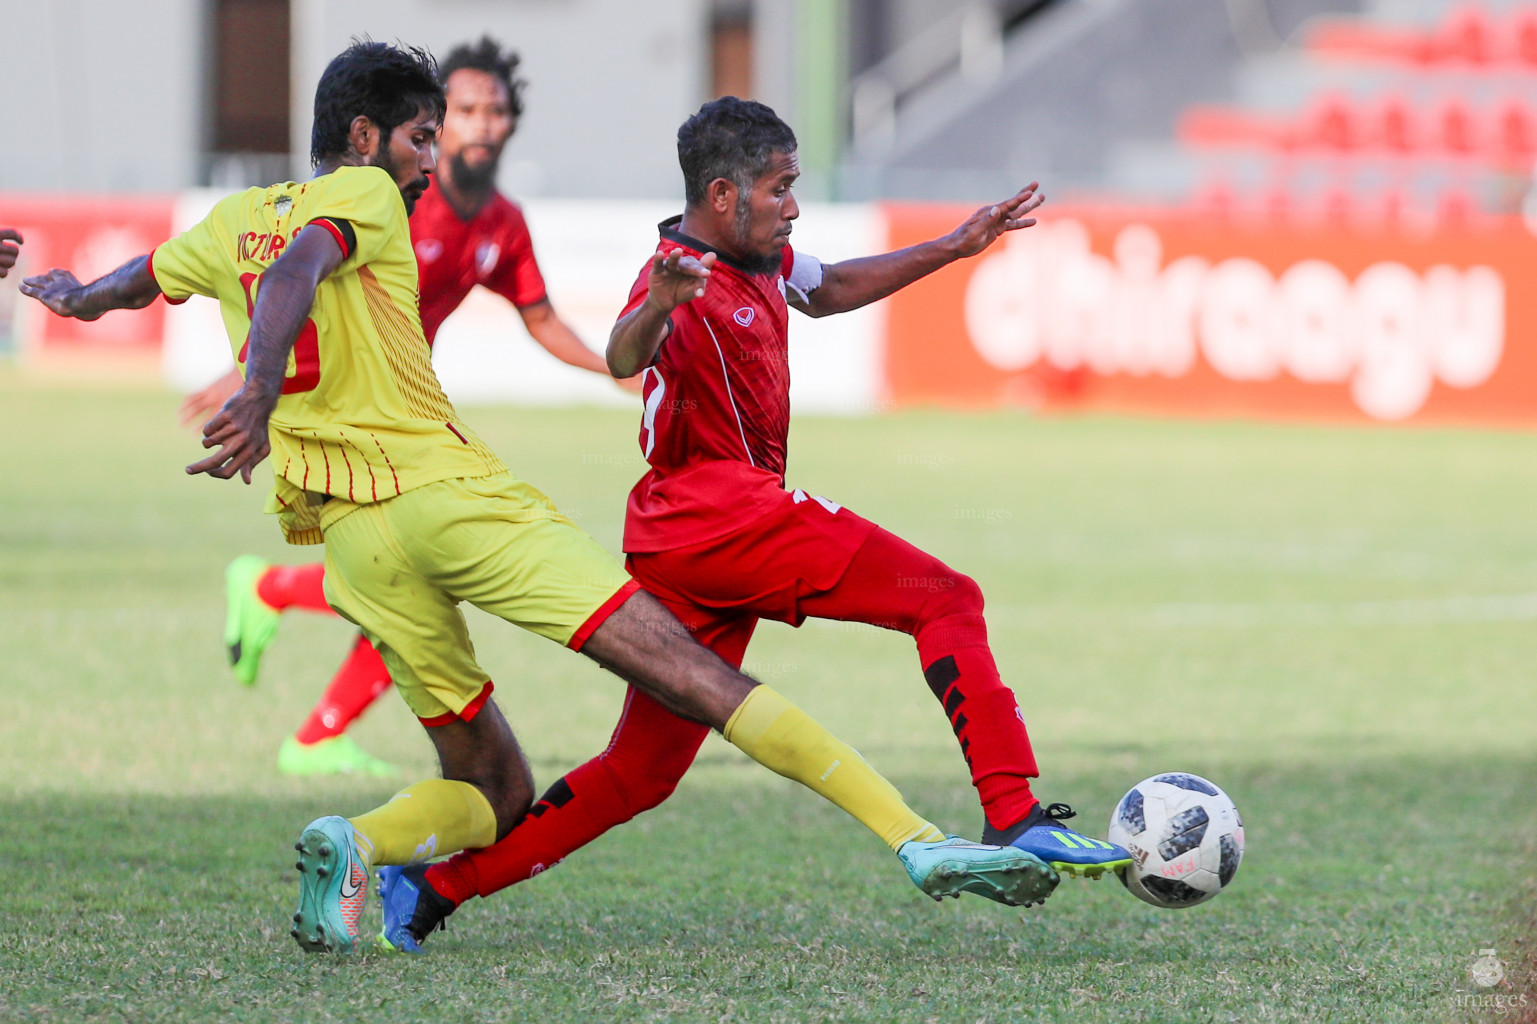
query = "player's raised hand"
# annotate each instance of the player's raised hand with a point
(10, 242)
(676, 278)
(239, 431)
(984, 227)
(57, 289)
(199, 406)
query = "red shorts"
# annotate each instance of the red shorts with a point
(764, 569)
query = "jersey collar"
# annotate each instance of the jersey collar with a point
(669, 230)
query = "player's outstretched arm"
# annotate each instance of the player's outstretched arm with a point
(854, 283)
(130, 286)
(287, 292)
(557, 338)
(199, 406)
(675, 278)
(10, 242)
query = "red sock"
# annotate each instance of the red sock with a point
(959, 668)
(356, 684)
(650, 751)
(556, 825)
(288, 586)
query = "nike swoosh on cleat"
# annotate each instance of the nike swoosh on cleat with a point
(349, 887)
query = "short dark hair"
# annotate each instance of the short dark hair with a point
(729, 138)
(386, 84)
(486, 55)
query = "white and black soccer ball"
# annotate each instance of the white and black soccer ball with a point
(1185, 838)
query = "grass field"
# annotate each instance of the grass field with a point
(1338, 626)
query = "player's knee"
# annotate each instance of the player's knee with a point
(951, 593)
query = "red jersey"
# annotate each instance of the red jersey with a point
(717, 406)
(453, 256)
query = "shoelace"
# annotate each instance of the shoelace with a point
(1061, 812)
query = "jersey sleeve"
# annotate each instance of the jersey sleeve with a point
(803, 276)
(517, 277)
(363, 211)
(183, 266)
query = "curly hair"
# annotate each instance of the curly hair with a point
(729, 138)
(486, 55)
(384, 83)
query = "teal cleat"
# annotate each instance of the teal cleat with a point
(333, 886)
(1043, 834)
(954, 865)
(249, 624)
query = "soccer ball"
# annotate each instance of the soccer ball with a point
(1185, 838)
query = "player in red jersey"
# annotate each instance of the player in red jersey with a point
(713, 533)
(465, 233)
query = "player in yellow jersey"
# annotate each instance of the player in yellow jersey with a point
(317, 286)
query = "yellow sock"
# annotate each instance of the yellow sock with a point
(782, 737)
(425, 820)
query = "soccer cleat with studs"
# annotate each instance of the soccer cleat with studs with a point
(333, 886)
(954, 865)
(1042, 833)
(412, 908)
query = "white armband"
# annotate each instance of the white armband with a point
(805, 276)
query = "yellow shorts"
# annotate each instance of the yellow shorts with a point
(399, 568)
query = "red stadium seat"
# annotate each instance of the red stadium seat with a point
(1338, 204)
(1209, 126)
(1390, 124)
(1521, 36)
(1455, 126)
(1329, 122)
(1455, 207)
(1214, 198)
(1512, 139)
(1353, 39)
(1466, 35)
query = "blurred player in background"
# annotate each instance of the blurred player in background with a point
(464, 233)
(712, 532)
(10, 249)
(417, 515)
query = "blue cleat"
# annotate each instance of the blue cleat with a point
(412, 908)
(1043, 834)
(333, 886)
(954, 865)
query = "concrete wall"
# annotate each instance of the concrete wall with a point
(609, 80)
(101, 95)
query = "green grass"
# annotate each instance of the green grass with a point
(1339, 626)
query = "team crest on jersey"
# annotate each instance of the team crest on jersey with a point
(282, 204)
(486, 255)
(428, 250)
(744, 316)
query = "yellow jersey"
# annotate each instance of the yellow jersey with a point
(362, 415)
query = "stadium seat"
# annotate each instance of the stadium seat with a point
(1354, 39)
(1330, 123)
(1208, 126)
(1215, 199)
(1521, 36)
(1466, 35)
(1390, 124)
(1511, 141)
(1455, 126)
(1455, 207)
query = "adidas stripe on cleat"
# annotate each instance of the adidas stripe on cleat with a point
(1043, 834)
(954, 865)
(333, 886)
